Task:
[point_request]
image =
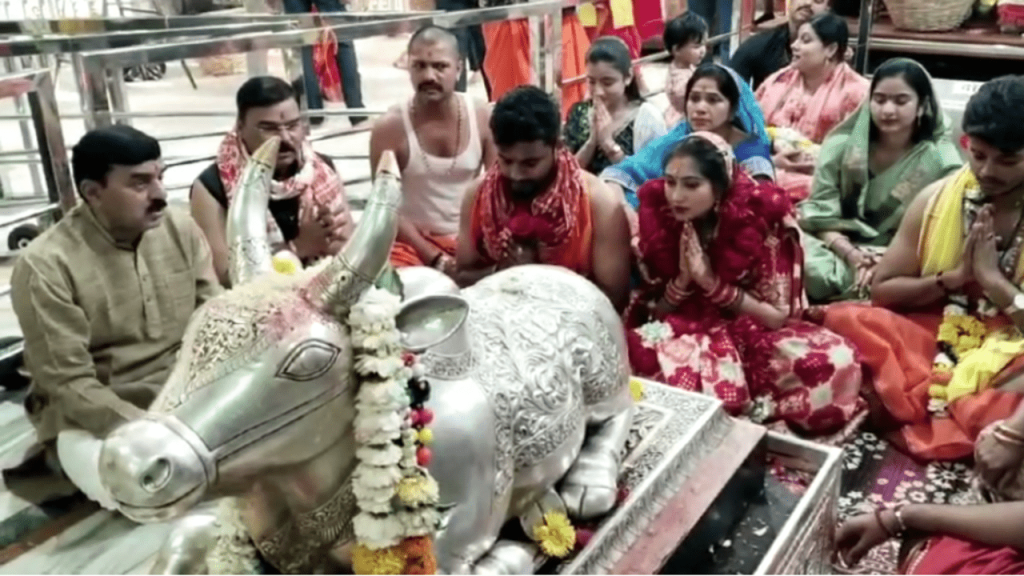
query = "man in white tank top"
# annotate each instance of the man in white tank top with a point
(442, 141)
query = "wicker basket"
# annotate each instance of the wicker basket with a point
(928, 15)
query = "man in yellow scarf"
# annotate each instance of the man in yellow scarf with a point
(953, 361)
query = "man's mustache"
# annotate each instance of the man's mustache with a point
(157, 205)
(428, 86)
(285, 147)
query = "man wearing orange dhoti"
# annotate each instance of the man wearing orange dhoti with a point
(537, 206)
(953, 362)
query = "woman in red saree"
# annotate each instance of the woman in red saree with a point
(722, 293)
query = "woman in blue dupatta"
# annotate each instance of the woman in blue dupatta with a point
(719, 101)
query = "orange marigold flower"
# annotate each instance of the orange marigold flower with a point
(384, 561)
(419, 554)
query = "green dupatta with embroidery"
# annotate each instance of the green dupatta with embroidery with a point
(869, 209)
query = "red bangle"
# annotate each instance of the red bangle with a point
(722, 293)
(674, 294)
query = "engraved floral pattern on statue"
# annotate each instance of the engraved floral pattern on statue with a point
(302, 544)
(538, 369)
(230, 332)
(448, 367)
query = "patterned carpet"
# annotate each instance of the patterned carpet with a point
(875, 473)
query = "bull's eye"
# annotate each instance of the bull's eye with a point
(309, 361)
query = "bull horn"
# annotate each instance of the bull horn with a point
(335, 288)
(249, 253)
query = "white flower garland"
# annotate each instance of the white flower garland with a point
(387, 450)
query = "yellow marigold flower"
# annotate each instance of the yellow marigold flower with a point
(636, 390)
(425, 436)
(384, 561)
(417, 490)
(286, 263)
(555, 534)
(963, 333)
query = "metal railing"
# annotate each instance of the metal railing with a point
(45, 118)
(102, 95)
(78, 26)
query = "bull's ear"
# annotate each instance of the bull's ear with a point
(430, 320)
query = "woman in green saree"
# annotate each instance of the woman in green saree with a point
(869, 169)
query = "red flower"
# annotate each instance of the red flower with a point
(826, 419)
(583, 537)
(527, 227)
(621, 494)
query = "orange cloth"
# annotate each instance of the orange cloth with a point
(507, 61)
(899, 351)
(558, 221)
(575, 45)
(404, 255)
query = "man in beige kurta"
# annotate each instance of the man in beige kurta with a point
(103, 297)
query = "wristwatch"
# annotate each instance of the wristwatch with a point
(1016, 305)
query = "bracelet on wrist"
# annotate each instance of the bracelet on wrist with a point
(897, 513)
(881, 522)
(1012, 433)
(675, 294)
(1006, 439)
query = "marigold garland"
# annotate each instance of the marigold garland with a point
(383, 561)
(396, 495)
(959, 334)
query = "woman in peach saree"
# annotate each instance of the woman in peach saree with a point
(804, 101)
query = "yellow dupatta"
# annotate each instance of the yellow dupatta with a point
(940, 249)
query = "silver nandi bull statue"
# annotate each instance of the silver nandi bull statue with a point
(529, 385)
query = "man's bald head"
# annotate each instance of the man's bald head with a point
(432, 34)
